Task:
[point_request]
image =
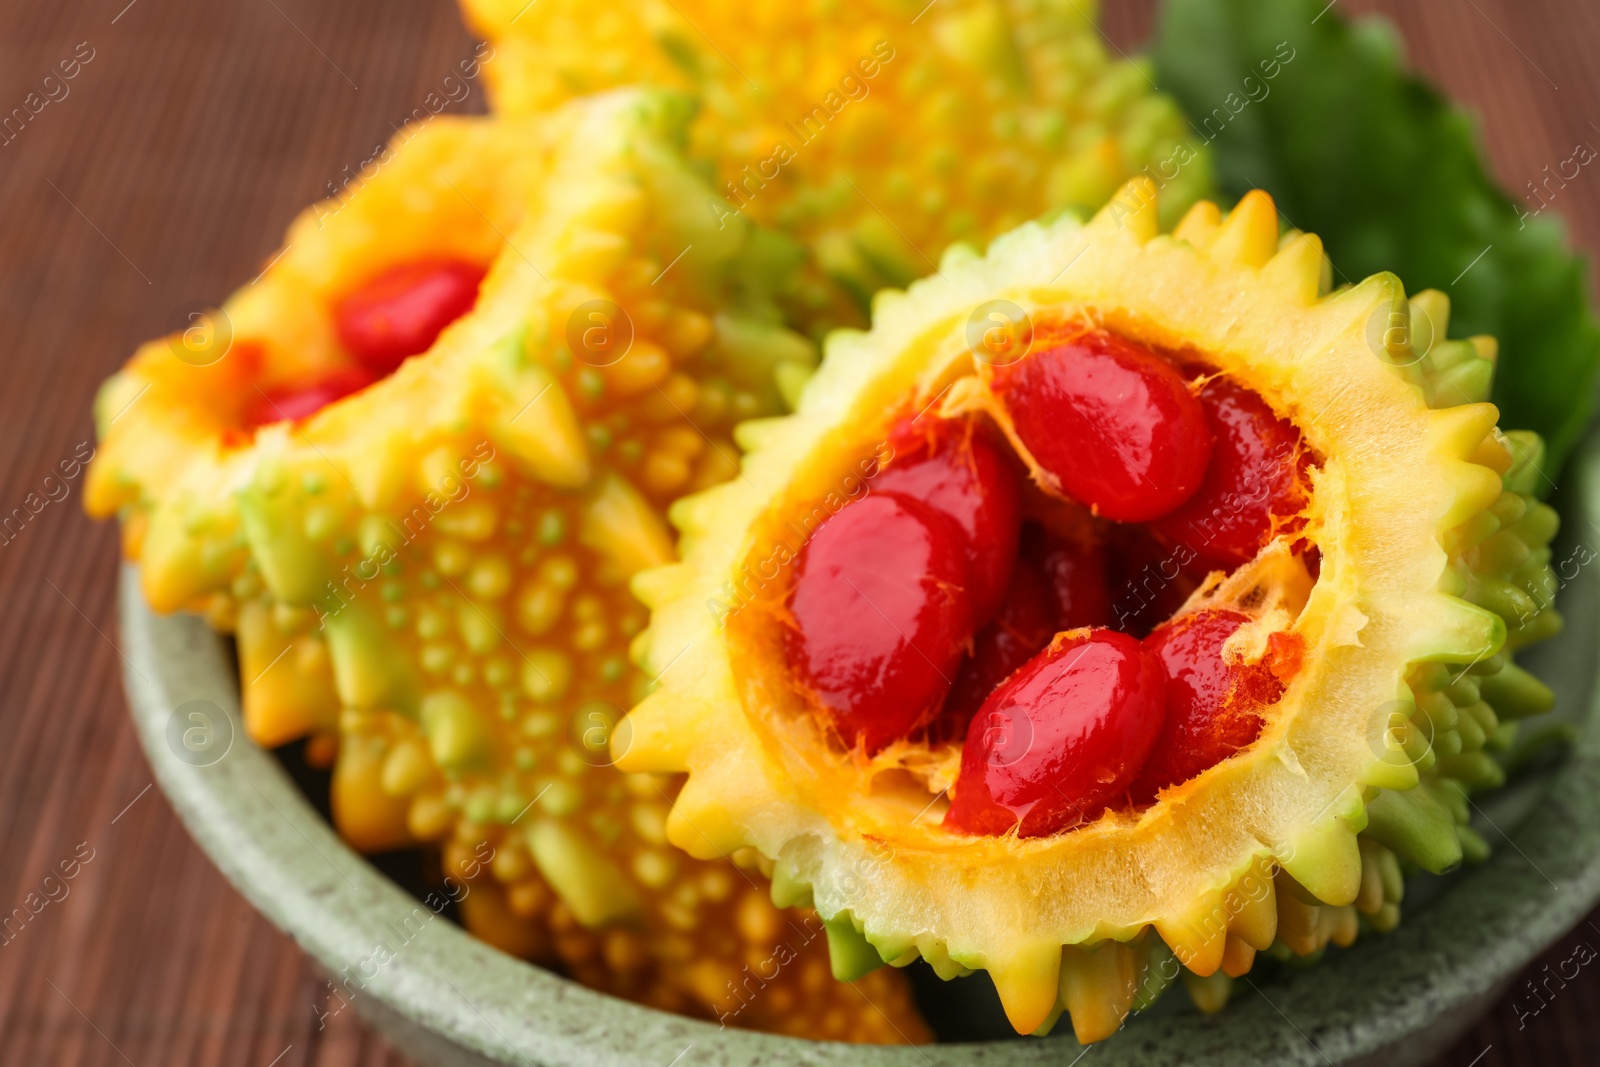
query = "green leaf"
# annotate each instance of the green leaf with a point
(1319, 113)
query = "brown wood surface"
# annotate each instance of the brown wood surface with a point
(166, 176)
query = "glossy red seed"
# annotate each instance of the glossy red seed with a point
(400, 312)
(1111, 421)
(301, 402)
(1213, 707)
(956, 469)
(1075, 570)
(1254, 479)
(1062, 739)
(881, 615)
(1025, 624)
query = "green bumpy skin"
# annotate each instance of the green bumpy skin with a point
(1434, 569)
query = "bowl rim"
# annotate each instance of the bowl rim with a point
(1422, 983)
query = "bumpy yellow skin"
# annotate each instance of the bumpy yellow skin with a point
(1432, 553)
(875, 132)
(429, 577)
(172, 453)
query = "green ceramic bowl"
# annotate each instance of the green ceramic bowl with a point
(448, 1000)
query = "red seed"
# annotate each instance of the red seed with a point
(1025, 624)
(880, 616)
(954, 468)
(301, 402)
(1062, 739)
(400, 312)
(1213, 707)
(1253, 484)
(1112, 422)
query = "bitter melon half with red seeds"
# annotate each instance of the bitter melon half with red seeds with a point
(1119, 598)
(413, 466)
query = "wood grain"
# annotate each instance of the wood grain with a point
(164, 177)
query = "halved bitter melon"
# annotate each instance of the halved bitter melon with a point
(875, 133)
(1384, 602)
(177, 424)
(430, 575)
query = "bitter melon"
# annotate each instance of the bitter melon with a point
(426, 559)
(875, 133)
(1300, 496)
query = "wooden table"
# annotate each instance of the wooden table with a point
(191, 134)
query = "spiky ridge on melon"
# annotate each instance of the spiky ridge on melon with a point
(1432, 552)
(876, 133)
(430, 576)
